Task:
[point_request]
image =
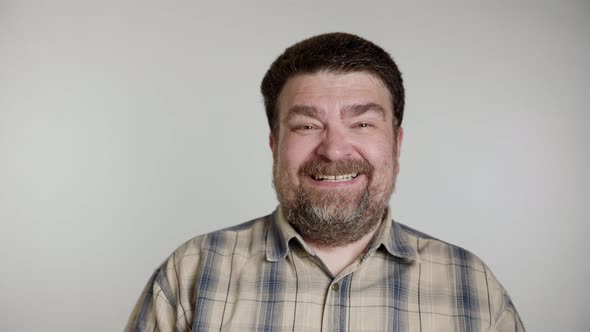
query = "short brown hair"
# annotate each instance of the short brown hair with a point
(333, 52)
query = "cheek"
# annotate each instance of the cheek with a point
(385, 163)
(376, 150)
(292, 153)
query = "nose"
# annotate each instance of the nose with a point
(334, 145)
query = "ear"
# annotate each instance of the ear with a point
(271, 142)
(400, 138)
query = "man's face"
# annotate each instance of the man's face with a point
(335, 155)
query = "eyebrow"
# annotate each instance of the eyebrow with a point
(360, 109)
(350, 111)
(303, 110)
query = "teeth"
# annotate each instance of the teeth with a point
(335, 178)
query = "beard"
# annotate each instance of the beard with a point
(334, 217)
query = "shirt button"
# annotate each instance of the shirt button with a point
(335, 287)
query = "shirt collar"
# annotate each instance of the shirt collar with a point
(395, 239)
(390, 234)
(280, 233)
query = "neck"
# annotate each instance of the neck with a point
(338, 258)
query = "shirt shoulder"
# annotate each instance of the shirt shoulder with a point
(168, 299)
(247, 238)
(433, 250)
(464, 271)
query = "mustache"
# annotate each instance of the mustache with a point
(346, 166)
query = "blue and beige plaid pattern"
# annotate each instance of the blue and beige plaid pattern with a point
(261, 276)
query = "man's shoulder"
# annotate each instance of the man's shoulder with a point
(432, 250)
(460, 269)
(246, 238)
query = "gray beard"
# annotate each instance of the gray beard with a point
(332, 218)
(336, 225)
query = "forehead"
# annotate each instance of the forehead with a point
(327, 91)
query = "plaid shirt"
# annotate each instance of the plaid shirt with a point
(262, 276)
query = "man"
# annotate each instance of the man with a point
(330, 258)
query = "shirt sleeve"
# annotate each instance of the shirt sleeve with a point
(510, 321)
(153, 310)
(167, 301)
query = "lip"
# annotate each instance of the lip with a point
(334, 184)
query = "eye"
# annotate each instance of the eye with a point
(307, 128)
(364, 125)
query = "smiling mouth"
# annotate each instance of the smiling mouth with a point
(334, 178)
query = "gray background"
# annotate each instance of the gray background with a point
(128, 127)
